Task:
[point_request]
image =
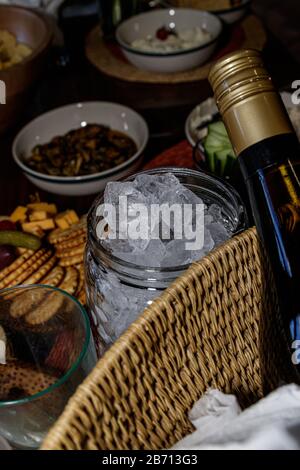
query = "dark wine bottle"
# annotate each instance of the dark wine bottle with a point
(113, 12)
(269, 156)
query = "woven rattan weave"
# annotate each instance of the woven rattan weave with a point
(212, 328)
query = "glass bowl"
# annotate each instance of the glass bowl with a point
(46, 351)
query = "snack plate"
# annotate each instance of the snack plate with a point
(59, 260)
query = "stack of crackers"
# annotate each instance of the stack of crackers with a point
(59, 263)
(42, 314)
(69, 247)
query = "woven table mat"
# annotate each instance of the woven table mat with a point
(108, 58)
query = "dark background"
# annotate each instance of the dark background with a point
(70, 78)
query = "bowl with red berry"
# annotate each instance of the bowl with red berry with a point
(169, 40)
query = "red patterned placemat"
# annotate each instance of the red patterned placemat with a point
(180, 155)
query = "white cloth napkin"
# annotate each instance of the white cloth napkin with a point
(272, 423)
(4, 444)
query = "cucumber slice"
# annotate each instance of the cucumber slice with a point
(211, 160)
(221, 157)
(218, 128)
(218, 149)
(214, 140)
(225, 161)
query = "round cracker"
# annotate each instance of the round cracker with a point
(46, 310)
(71, 252)
(73, 243)
(26, 301)
(82, 297)
(24, 377)
(66, 262)
(70, 281)
(81, 283)
(80, 267)
(60, 235)
(54, 277)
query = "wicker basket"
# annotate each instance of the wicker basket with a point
(212, 328)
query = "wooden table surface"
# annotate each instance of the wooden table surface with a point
(80, 82)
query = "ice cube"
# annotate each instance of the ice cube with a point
(127, 213)
(115, 189)
(121, 246)
(150, 257)
(118, 300)
(180, 195)
(209, 243)
(154, 185)
(215, 212)
(196, 255)
(176, 254)
(160, 246)
(218, 233)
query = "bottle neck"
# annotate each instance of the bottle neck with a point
(256, 118)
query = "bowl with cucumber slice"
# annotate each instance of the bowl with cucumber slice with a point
(214, 152)
(212, 149)
(219, 154)
(207, 134)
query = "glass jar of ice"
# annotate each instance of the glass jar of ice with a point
(144, 232)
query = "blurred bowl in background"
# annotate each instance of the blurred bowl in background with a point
(197, 121)
(179, 19)
(32, 29)
(229, 15)
(235, 13)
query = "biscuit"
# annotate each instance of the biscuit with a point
(25, 268)
(40, 273)
(25, 301)
(73, 243)
(54, 277)
(70, 281)
(30, 270)
(16, 264)
(66, 262)
(46, 310)
(22, 379)
(72, 252)
(62, 235)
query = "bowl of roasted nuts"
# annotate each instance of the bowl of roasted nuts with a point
(76, 149)
(25, 39)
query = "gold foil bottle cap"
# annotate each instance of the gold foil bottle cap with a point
(238, 75)
(247, 99)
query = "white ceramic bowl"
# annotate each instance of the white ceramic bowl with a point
(202, 114)
(140, 26)
(61, 120)
(234, 14)
(228, 15)
(199, 116)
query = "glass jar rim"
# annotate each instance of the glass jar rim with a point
(108, 256)
(74, 367)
